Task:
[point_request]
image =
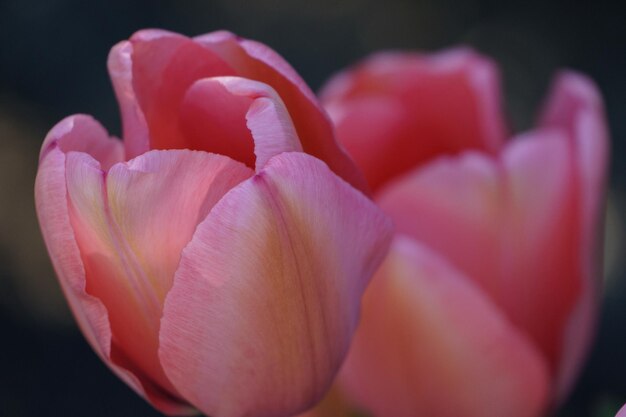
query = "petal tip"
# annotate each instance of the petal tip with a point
(63, 128)
(147, 35)
(217, 36)
(578, 87)
(119, 57)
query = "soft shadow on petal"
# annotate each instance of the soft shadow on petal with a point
(267, 294)
(395, 111)
(81, 133)
(431, 343)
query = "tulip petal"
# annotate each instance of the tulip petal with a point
(266, 297)
(135, 129)
(164, 66)
(131, 226)
(83, 134)
(215, 110)
(576, 107)
(396, 111)
(256, 61)
(430, 343)
(519, 211)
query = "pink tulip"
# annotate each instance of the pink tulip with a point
(487, 302)
(215, 260)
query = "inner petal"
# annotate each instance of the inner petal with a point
(267, 293)
(241, 118)
(256, 61)
(214, 120)
(164, 66)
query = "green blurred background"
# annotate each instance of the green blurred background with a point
(52, 64)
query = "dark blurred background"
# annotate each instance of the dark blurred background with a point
(52, 64)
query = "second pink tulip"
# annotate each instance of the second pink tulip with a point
(486, 305)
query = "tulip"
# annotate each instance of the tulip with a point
(215, 259)
(486, 304)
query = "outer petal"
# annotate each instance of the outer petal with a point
(258, 62)
(431, 344)
(84, 134)
(267, 294)
(511, 226)
(621, 412)
(576, 107)
(214, 113)
(131, 229)
(396, 111)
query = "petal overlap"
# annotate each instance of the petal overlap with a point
(256, 61)
(519, 212)
(83, 134)
(154, 69)
(234, 116)
(266, 295)
(131, 226)
(432, 344)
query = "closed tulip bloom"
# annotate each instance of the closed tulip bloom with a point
(215, 259)
(486, 305)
